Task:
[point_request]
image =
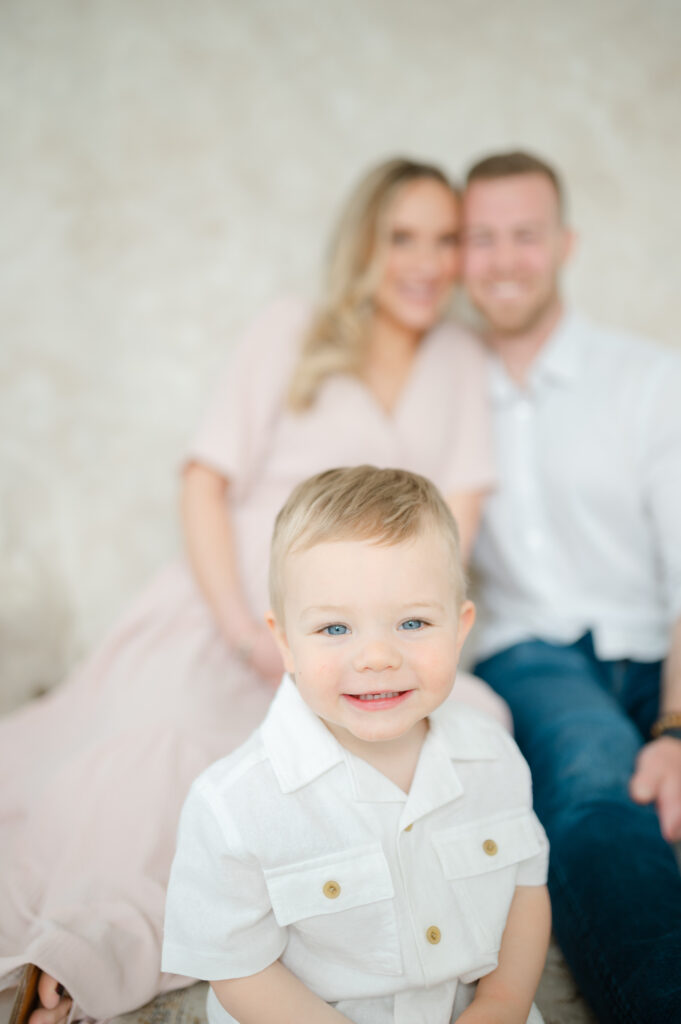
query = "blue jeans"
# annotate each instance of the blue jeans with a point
(614, 881)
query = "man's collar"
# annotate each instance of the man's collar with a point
(560, 357)
(301, 749)
(559, 361)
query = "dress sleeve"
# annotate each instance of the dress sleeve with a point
(219, 922)
(470, 465)
(233, 434)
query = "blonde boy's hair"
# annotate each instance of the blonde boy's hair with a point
(336, 341)
(386, 506)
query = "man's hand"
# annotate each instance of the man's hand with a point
(657, 778)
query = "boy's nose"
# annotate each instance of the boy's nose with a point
(377, 656)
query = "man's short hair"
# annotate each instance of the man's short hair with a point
(511, 164)
(385, 506)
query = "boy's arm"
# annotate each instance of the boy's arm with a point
(274, 996)
(505, 995)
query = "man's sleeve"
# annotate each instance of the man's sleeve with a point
(661, 471)
(219, 922)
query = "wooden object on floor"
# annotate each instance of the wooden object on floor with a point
(26, 1000)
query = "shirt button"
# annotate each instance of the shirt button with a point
(408, 828)
(490, 847)
(433, 935)
(331, 890)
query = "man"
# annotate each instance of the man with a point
(579, 562)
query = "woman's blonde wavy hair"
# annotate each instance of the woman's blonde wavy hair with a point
(336, 340)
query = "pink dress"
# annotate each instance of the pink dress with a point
(93, 776)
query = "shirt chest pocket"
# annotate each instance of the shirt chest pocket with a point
(481, 861)
(341, 907)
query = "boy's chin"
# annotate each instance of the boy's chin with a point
(378, 734)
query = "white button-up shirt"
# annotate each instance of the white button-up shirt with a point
(584, 529)
(381, 902)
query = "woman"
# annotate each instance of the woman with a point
(101, 767)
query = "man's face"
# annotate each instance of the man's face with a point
(515, 244)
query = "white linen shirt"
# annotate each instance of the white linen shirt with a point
(584, 529)
(378, 900)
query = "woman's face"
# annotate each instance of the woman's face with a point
(418, 256)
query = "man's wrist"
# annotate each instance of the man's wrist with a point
(668, 724)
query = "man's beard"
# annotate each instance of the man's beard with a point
(521, 321)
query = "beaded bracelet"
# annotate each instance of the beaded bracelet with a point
(668, 724)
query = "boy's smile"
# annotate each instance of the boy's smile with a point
(377, 700)
(372, 634)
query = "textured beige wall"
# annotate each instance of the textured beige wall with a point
(168, 166)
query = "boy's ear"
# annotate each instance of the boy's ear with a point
(279, 635)
(466, 620)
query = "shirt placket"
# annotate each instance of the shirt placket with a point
(432, 933)
(533, 532)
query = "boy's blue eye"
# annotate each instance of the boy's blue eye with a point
(412, 624)
(335, 630)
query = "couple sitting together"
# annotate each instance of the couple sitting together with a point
(371, 853)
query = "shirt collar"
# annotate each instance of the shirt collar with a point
(456, 735)
(299, 746)
(559, 361)
(300, 749)
(464, 733)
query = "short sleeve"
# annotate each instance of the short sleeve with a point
(470, 463)
(219, 922)
(233, 434)
(532, 870)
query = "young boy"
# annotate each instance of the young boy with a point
(371, 850)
